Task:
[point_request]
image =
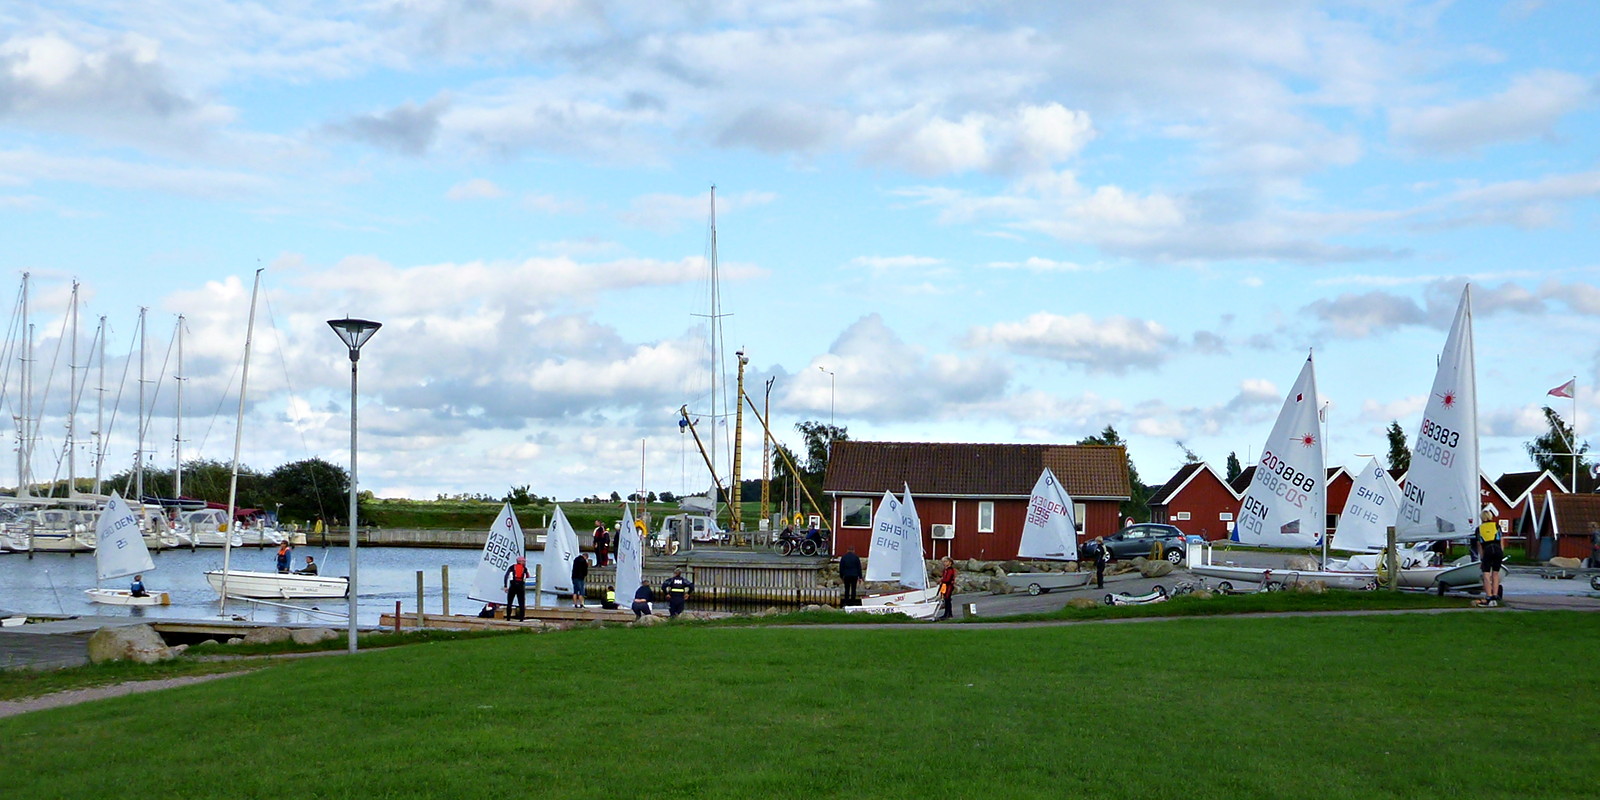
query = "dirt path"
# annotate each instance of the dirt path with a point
(10, 708)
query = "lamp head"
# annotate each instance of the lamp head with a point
(354, 333)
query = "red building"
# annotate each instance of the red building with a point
(1573, 520)
(1197, 501)
(1519, 487)
(1339, 483)
(972, 498)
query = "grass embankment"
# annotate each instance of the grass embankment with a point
(1400, 706)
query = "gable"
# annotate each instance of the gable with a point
(975, 470)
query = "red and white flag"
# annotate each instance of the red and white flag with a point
(1565, 389)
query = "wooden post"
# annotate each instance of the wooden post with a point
(1392, 557)
(444, 576)
(538, 583)
(397, 616)
(419, 600)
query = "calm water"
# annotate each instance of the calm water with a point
(53, 583)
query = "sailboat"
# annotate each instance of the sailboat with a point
(1286, 502)
(1051, 533)
(119, 552)
(560, 548)
(504, 545)
(630, 558)
(895, 554)
(228, 582)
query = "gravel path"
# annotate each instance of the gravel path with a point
(9, 708)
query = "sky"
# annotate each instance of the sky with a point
(958, 222)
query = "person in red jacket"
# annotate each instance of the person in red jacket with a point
(517, 587)
(947, 589)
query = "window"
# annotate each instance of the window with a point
(986, 516)
(1183, 515)
(857, 512)
(1079, 511)
(1226, 516)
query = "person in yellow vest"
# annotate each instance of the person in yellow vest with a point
(1491, 558)
(678, 589)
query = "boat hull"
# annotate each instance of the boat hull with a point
(278, 586)
(1338, 580)
(122, 597)
(924, 610)
(1039, 582)
(900, 598)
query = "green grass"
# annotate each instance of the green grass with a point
(1478, 705)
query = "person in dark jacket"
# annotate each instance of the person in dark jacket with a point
(580, 572)
(947, 589)
(678, 589)
(309, 569)
(517, 587)
(1102, 557)
(642, 597)
(850, 573)
(602, 545)
(136, 589)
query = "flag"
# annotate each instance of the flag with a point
(1565, 389)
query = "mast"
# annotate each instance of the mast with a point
(72, 400)
(138, 454)
(100, 409)
(238, 438)
(735, 504)
(177, 424)
(766, 459)
(22, 380)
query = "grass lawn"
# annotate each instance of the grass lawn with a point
(1338, 707)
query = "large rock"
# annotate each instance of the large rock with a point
(138, 643)
(1155, 569)
(1562, 562)
(312, 635)
(1310, 587)
(1083, 602)
(1301, 563)
(1000, 586)
(648, 620)
(269, 635)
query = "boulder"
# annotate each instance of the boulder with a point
(235, 640)
(138, 643)
(973, 565)
(1155, 569)
(1202, 594)
(1083, 602)
(1000, 586)
(1310, 587)
(814, 607)
(312, 635)
(269, 635)
(1301, 563)
(1018, 566)
(1119, 567)
(1562, 562)
(211, 641)
(648, 620)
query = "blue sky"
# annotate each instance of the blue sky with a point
(1016, 222)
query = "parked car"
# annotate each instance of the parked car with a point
(1139, 540)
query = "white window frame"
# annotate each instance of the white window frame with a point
(844, 514)
(985, 516)
(1079, 511)
(1183, 516)
(1226, 516)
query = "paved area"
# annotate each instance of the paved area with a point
(42, 651)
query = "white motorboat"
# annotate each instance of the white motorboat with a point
(277, 586)
(207, 527)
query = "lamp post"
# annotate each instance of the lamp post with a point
(830, 394)
(354, 333)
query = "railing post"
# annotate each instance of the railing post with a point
(419, 600)
(444, 576)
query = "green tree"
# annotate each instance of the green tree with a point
(819, 438)
(520, 496)
(1399, 453)
(1235, 469)
(1136, 507)
(1189, 456)
(308, 490)
(1553, 449)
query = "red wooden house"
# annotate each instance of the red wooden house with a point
(1572, 519)
(1196, 500)
(972, 498)
(1519, 487)
(1339, 484)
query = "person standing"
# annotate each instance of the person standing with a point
(678, 589)
(1102, 557)
(642, 598)
(580, 572)
(1493, 557)
(602, 544)
(283, 558)
(947, 589)
(517, 587)
(850, 573)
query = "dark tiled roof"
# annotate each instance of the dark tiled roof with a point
(1164, 494)
(1514, 484)
(972, 470)
(1577, 514)
(1242, 481)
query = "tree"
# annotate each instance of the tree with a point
(616, 498)
(819, 439)
(308, 490)
(1553, 449)
(1189, 456)
(1399, 453)
(520, 496)
(1137, 506)
(1234, 468)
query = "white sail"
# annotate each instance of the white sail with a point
(1370, 512)
(913, 571)
(560, 548)
(504, 546)
(884, 559)
(1286, 504)
(1440, 499)
(1050, 531)
(119, 546)
(630, 559)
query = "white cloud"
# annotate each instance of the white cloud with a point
(1113, 344)
(1030, 138)
(475, 189)
(668, 212)
(880, 263)
(1036, 264)
(1530, 107)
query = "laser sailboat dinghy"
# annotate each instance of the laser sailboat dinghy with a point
(120, 551)
(1049, 533)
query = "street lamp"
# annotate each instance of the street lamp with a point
(830, 395)
(354, 333)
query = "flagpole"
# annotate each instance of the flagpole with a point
(1574, 445)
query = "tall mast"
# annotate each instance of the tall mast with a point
(177, 425)
(238, 437)
(100, 409)
(72, 400)
(138, 454)
(22, 380)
